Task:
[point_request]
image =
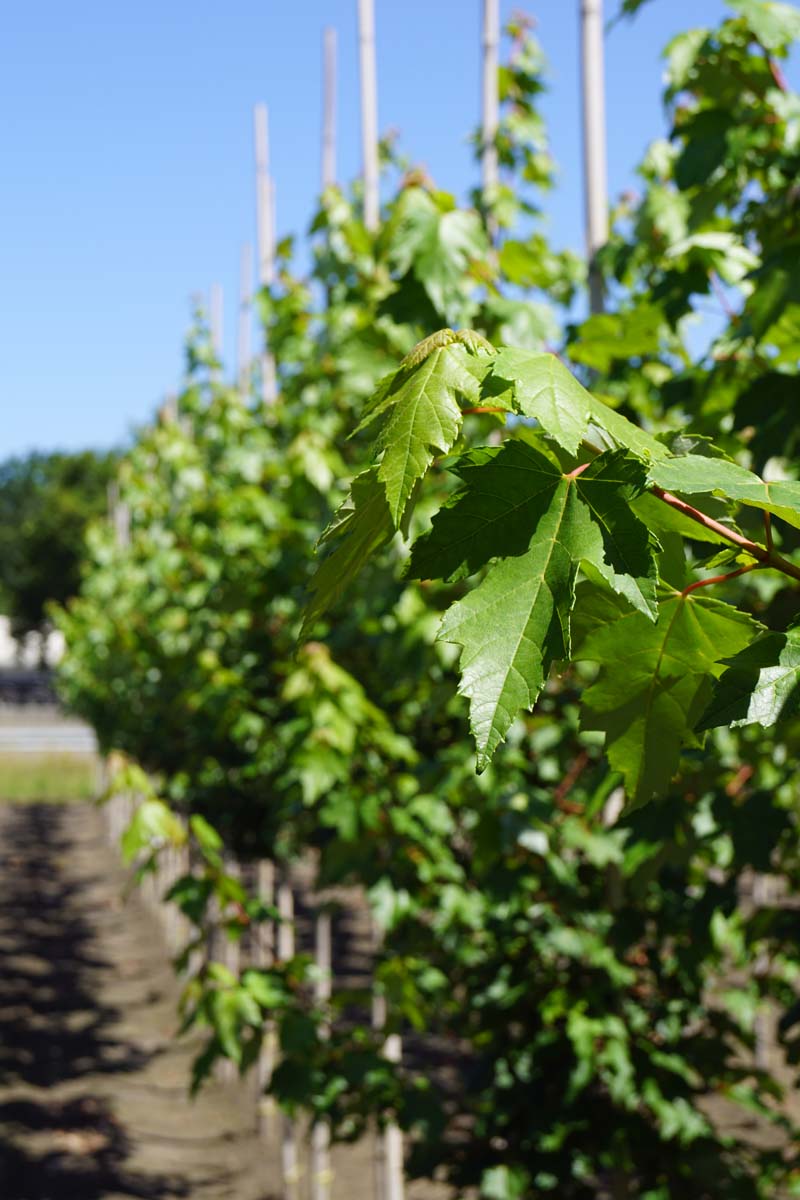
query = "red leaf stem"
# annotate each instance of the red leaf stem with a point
(701, 583)
(578, 471)
(767, 557)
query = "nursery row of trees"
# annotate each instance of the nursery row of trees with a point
(597, 609)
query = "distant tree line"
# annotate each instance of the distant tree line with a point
(46, 502)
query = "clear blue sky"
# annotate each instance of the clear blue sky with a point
(128, 166)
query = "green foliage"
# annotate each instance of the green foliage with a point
(654, 681)
(46, 502)
(535, 524)
(579, 983)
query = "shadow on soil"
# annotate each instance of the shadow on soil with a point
(54, 1031)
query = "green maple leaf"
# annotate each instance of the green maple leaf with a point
(775, 25)
(519, 507)
(607, 487)
(516, 622)
(655, 681)
(507, 490)
(437, 243)
(361, 526)
(692, 473)
(547, 391)
(760, 684)
(421, 415)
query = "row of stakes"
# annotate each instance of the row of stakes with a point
(173, 863)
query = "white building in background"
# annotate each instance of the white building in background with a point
(27, 653)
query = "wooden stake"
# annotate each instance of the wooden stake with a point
(215, 321)
(491, 100)
(169, 409)
(244, 349)
(265, 957)
(369, 112)
(328, 108)
(594, 142)
(290, 1163)
(389, 1149)
(321, 1177)
(264, 219)
(228, 953)
(265, 229)
(122, 524)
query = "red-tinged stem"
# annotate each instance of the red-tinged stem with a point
(701, 518)
(483, 408)
(568, 782)
(767, 557)
(578, 471)
(778, 75)
(701, 583)
(719, 292)
(734, 787)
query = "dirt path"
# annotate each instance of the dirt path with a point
(92, 1085)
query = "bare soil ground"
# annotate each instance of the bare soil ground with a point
(92, 1084)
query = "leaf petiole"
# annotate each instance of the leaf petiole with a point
(701, 583)
(765, 556)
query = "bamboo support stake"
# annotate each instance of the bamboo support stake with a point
(231, 958)
(265, 231)
(321, 1176)
(328, 108)
(369, 112)
(123, 524)
(169, 409)
(244, 348)
(215, 321)
(119, 514)
(594, 142)
(389, 1149)
(290, 1162)
(491, 102)
(264, 222)
(264, 957)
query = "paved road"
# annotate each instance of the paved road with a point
(40, 729)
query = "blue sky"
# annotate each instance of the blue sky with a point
(128, 166)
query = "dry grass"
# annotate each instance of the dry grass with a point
(55, 778)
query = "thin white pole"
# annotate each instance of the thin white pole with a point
(290, 1163)
(594, 141)
(265, 957)
(244, 349)
(169, 409)
(122, 524)
(491, 96)
(389, 1150)
(369, 112)
(329, 108)
(230, 956)
(321, 1177)
(265, 231)
(215, 319)
(264, 220)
